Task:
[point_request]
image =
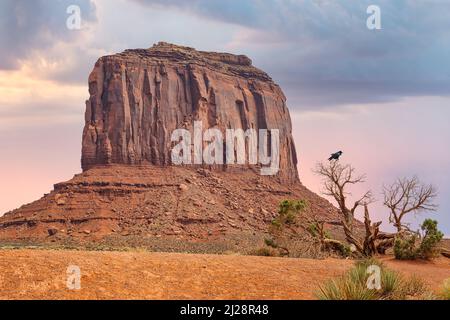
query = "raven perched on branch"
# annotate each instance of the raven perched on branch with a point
(335, 156)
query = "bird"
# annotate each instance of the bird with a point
(335, 156)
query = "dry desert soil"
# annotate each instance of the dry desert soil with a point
(42, 274)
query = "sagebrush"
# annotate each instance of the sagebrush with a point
(353, 285)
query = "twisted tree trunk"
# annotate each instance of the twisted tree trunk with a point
(445, 252)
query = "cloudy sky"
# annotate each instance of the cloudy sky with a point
(382, 96)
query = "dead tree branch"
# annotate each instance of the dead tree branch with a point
(336, 178)
(408, 195)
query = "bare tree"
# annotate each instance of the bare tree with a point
(337, 178)
(321, 234)
(408, 195)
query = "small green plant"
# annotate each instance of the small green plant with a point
(390, 281)
(346, 250)
(276, 223)
(446, 290)
(432, 236)
(265, 252)
(414, 287)
(353, 285)
(288, 211)
(270, 243)
(312, 229)
(280, 229)
(406, 248)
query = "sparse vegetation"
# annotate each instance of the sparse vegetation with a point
(408, 195)
(446, 290)
(288, 212)
(312, 229)
(406, 245)
(405, 196)
(432, 236)
(287, 218)
(265, 252)
(270, 242)
(337, 178)
(415, 287)
(353, 285)
(316, 229)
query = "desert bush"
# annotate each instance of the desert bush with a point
(390, 281)
(406, 247)
(312, 229)
(276, 223)
(282, 229)
(346, 250)
(288, 211)
(432, 236)
(413, 287)
(270, 243)
(446, 290)
(353, 285)
(345, 290)
(265, 252)
(342, 249)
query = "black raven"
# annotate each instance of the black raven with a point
(335, 156)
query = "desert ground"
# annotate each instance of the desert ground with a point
(42, 274)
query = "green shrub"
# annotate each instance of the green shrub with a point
(353, 285)
(446, 290)
(346, 250)
(413, 287)
(406, 248)
(289, 210)
(270, 243)
(287, 213)
(291, 206)
(390, 281)
(312, 229)
(276, 223)
(432, 236)
(265, 252)
(282, 229)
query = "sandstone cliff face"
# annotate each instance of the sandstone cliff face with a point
(132, 195)
(138, 97)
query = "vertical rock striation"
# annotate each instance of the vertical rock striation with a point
(130, 194)
(138, 97)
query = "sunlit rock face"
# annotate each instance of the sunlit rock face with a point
(139, 97)
(132, 193)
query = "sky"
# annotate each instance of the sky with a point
(382, 96)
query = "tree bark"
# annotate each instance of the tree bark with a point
(445, 252)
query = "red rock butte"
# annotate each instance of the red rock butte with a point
(129, 193)
(139, 97)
